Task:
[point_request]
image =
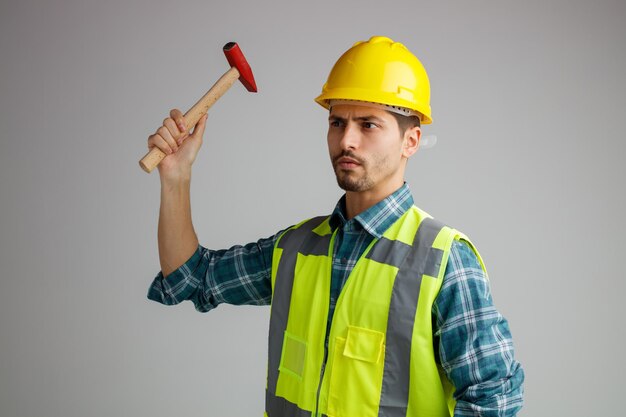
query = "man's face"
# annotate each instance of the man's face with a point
(366, 147)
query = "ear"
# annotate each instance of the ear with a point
(411, 141)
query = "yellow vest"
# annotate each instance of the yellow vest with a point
(380, 359)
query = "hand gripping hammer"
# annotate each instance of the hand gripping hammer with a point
(239, 68)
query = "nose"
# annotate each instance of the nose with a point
(349, 137)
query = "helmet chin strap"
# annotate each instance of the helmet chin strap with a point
(403, 111)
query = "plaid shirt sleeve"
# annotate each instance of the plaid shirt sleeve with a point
(475, 345)
(240, 275)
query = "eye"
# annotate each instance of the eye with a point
(369, 125)
(336, 123)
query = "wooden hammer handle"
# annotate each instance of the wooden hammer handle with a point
(155, 156)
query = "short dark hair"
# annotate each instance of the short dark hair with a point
(405, 122)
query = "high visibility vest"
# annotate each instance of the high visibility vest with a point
(380, 359)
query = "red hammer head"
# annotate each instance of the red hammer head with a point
(236, 59)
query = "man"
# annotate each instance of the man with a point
(377, 309)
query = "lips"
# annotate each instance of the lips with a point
(348, 160)
(345, 162)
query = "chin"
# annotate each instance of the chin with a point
(355, 186)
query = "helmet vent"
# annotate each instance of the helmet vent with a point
(394, 109)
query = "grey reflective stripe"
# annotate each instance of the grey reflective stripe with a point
(433, 262)
(281, 299)
(280, 407)
(389, 252)
(317, 245)
(394, 396)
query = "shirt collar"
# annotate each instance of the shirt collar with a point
(378, 218)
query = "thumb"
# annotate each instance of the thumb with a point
(198, 130)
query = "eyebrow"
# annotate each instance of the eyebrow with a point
(369, 118)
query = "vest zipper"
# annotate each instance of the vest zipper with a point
(319, 386)
(326, 333)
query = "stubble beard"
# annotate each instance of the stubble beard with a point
(347, 182)
(351, 180)
(355, 181)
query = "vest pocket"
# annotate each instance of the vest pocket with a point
(356, 374)
(364, 344)
(293, 355)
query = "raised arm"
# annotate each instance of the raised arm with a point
(176, 235)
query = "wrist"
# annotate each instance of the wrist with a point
(176, 180)
(181, 180)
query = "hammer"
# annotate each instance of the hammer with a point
(239, 68)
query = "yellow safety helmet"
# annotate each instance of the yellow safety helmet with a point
(379, 71)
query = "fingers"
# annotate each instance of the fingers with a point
(177, 116)
(169, 137)
(157, 141)
(173, 130)
(198, 130)
(171, 134)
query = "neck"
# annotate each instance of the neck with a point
(359, 201)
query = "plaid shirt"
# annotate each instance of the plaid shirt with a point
(474, 341)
